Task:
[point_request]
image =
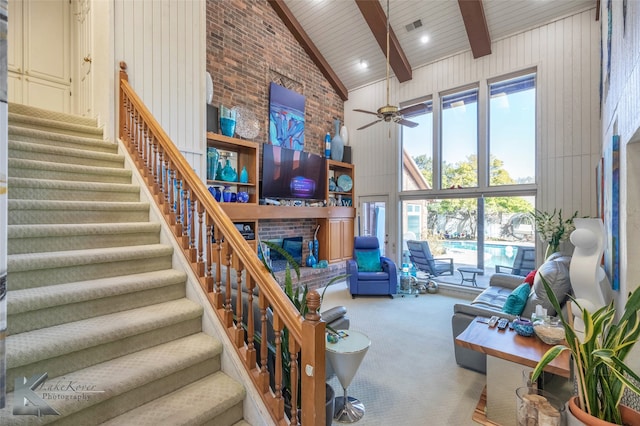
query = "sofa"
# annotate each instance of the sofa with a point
(493, 300)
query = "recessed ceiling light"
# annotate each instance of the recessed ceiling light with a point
(364, 64)
(424, 39)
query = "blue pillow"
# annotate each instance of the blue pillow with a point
(368, 260)
(516, 301)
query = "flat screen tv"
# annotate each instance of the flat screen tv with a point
(292, 174)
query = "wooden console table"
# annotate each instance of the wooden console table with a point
(510, 357)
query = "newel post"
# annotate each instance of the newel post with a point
(312, 369)
(123, 76)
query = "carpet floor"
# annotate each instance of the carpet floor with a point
(409, 375)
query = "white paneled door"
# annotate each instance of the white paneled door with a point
(83, 62)
(39, 54)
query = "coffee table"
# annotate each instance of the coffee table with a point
(510, 359)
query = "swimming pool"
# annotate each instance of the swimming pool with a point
(494, 254)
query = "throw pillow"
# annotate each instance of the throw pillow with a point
(368, 260)
(529, 278)
(556, 272)
(516, 301)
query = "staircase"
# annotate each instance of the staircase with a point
(94, 300)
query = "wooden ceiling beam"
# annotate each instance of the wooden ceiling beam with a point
(376, 18)
(301, 36)
(476, 25)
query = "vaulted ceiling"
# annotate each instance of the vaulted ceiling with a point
(339, 35)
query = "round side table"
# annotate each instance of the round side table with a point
(345, 356)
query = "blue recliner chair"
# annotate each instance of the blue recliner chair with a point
(369, 273)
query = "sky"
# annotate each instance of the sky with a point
(511, 128)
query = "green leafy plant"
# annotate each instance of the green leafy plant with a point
(297, 296)
(553, 229)
(599, 355)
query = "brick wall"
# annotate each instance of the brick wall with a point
(246, 44)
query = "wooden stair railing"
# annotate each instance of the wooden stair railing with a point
(204, 232)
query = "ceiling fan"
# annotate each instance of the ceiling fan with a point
(391, 113)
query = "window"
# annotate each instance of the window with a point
(512, 130)
(414, 220)
(417, 150)
(477, 195)
(460, 140)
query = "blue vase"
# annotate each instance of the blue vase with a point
(244, 175)
(311, 260)
(226, 194)
(219, 171)
(212, 162)
(316, 247)
(228, 173)
(337, 144)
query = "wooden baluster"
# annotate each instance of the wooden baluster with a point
(279, 400)
(264, 349)
(228, 313)
(294, 348)
(250, 358)
(239, 330)
(218, 264)
(203, 230)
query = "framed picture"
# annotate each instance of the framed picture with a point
(286, 117)
(612, 211)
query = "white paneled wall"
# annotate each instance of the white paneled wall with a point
(163, 44)
(567, 56)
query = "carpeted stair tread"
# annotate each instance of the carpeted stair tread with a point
(91, 131)
(59, 259)
(242, 423)
(47, 138)
(45, 297)
(194, 404)
(33, 309)
(51, 115)
(35, 238)
(26, 188)
(63, 154)
(120, 376)
(19, 167)
(53, 211)
(32, 346)
(65, 229)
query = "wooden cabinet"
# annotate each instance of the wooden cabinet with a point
(336, 239)
(340, 191)
(336, 221)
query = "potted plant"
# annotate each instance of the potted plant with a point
(299, 299)
(598, 355)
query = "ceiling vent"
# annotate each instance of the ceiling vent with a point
(412, 26)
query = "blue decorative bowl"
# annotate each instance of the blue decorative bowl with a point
(523, 327)
(243, 197)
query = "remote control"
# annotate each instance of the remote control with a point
(493, 321)
(503, 323)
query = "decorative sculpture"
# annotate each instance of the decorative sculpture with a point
(590, 283)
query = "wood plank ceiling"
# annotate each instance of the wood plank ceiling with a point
(340, 35)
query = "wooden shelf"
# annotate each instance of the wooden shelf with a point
(239, 211)
(245, 154)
